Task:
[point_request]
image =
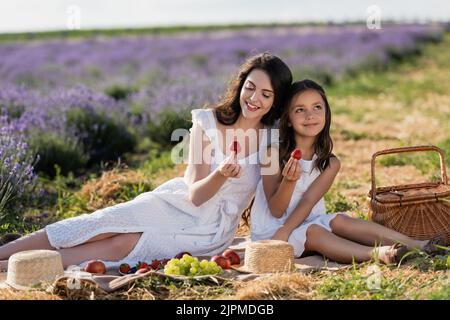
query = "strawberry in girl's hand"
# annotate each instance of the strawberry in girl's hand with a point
(296, 154)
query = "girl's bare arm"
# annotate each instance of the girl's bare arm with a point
(314, 193)
(278, 190)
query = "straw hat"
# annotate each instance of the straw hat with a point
(267, 256)
(28, 268)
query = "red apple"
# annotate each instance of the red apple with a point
(232, 256)
(124, 268)
(296, 154)
(223, 262)
(95, 266)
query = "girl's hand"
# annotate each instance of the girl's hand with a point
(229, 168)
(282, 234)
(292, 170)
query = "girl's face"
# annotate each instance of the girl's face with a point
(307, 113)
(257, 94)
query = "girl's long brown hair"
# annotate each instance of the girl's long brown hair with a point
(228, 109)
(323, 145)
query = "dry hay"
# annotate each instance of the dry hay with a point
(105, 190)
(12, 294)
(164, 175)
(276, 287)
(385, 117)
(137, 290)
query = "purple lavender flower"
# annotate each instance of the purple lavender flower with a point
(16, 167)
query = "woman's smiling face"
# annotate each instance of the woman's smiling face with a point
(307, 113)
(257, 94)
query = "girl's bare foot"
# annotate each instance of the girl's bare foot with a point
(390, 254)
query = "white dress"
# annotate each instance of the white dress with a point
(264, 224)
(169, 222)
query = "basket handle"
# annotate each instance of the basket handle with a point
(408, 149)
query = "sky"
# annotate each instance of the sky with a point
(45, 15)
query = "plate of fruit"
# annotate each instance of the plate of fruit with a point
(184, 264)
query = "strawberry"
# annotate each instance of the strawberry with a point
(141, 265)
(156, 264)
(234, 146)
(296, 154)
(124, 268)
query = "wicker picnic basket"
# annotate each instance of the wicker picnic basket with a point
(420, 211)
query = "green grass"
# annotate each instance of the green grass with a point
(336, 202)
(353, 135)
(158, 162)
(374, 281)
(358, 284)
(426, 162)
(392, 81)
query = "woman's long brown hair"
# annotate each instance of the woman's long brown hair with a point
(228, 109)
(323, 145)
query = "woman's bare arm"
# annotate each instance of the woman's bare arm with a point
(203, 185)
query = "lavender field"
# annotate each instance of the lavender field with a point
(76, 103)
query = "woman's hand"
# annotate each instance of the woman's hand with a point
(292, 170)
(229, 167)
(282, 234)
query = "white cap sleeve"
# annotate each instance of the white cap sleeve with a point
(205, 118)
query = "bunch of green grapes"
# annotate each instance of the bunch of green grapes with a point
(190, 266)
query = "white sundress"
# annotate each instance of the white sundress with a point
(169, 222)
(264, 224)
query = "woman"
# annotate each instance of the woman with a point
(198, 213)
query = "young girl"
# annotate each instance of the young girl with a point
(198, 213)
(289, 205)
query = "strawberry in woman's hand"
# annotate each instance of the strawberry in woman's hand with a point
(235, 146)
(296, 154)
